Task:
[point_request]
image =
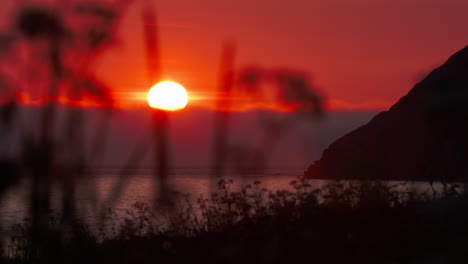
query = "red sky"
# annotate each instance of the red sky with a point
(361, 53)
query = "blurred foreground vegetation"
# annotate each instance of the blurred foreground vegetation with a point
(341, 222)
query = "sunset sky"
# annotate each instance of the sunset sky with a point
(361, 54)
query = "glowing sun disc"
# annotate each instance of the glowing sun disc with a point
(167, 95)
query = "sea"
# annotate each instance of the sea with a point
(93, 193)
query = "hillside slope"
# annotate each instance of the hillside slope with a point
(424, 136)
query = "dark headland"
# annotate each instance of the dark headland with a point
(424, 136)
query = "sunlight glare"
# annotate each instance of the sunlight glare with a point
(168, 96)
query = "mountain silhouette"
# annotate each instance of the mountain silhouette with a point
(424, 136)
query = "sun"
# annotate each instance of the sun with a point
(168, 96)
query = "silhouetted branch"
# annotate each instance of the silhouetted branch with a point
(221, 119)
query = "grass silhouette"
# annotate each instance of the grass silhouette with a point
(362, 222)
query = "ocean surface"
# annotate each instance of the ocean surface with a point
(93, 192)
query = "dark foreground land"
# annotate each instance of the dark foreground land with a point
(366, 222)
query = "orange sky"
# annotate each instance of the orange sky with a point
(362, 54)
